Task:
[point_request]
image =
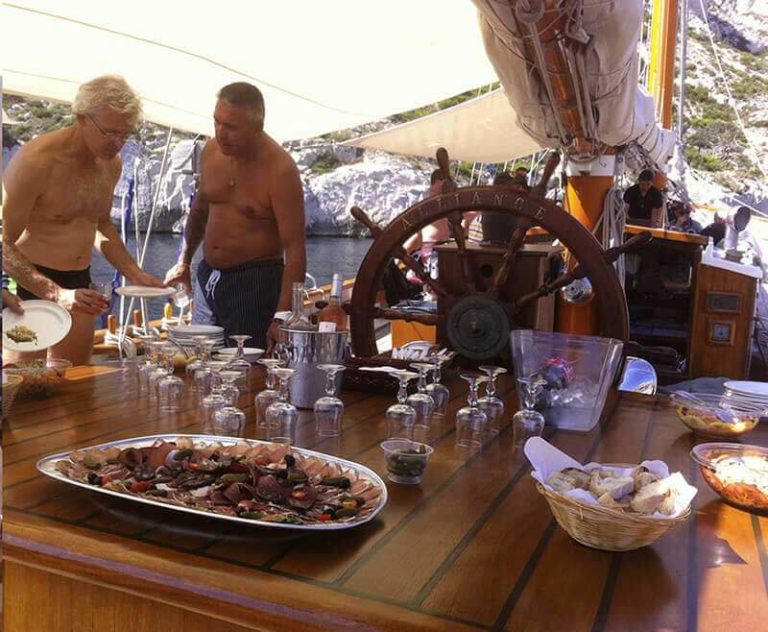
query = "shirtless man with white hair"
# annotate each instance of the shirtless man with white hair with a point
(249, 212)
(59, 189)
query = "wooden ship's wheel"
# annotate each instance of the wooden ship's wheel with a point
(477, 315)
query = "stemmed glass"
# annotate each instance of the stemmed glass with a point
(491, 405)
(228, 390)
(269, 395)
(203, 347)
(439, 392)
(527, 423)
(170, 391)
(329, 409)
(471, 420)
(282, 415)
(401, 416)
(239, 363)
(149, 363)
(228, 421)
(214, 400)
(421, 401)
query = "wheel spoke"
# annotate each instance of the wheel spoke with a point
(540, 190)
(579, 272)
(399, 253)
(515, 243)
(460, 236)
(547, 288)
(395, 314)
(419, 271)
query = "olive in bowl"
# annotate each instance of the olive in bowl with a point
(406, 460)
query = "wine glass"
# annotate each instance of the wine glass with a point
(527, 422)
(228, 390)
(421, 401)
(471, 420)
(102, 287)
(439, 392)
(170, 391)
(269, 395)
(282, 415)
(491, 405)
(214, 400)
(329, 409)
(401, 416)
(239, 363)
(228, 422)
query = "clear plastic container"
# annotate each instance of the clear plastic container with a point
(571, 374)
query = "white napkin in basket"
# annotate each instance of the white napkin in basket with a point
(546, 459)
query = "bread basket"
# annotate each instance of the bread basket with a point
(596, 525)
(11, 385)
(607, 529)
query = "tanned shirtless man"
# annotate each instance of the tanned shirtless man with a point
(249, 212)
(57, 209)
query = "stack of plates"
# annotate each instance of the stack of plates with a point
(186, 335)
(753, 392)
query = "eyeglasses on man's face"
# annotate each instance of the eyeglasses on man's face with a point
(119, 137)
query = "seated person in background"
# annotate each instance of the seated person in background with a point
(716, 229)
(681, 219)
(521, 178)
(424, 242)
(643, 202)
(498, 227)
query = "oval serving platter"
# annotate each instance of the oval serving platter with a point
(47, 466)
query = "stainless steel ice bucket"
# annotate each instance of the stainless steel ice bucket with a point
(305, 350)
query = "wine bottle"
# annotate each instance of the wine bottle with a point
(297, 319)
(333, 317)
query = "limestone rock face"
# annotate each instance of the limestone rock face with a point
(380, 184)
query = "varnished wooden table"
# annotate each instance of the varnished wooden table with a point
(473, 547)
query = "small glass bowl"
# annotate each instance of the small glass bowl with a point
(406, 460)
(716, 416)
(40, 377)
(734, 471)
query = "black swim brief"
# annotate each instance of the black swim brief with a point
(67, 279)
(243, 298)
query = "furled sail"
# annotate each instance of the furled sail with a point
(598, 42)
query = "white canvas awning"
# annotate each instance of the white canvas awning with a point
(322, 66)
(479, 130)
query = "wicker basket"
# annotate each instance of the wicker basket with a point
(10, 387)
(607, 529)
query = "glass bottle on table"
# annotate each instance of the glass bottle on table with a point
(332, 317)
(298, 319)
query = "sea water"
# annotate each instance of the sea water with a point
(325, 255)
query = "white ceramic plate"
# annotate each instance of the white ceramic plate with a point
(144, 291)
(251, 353)
(47, 319)
(760, 389)
(195, 330)
(48, 467)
